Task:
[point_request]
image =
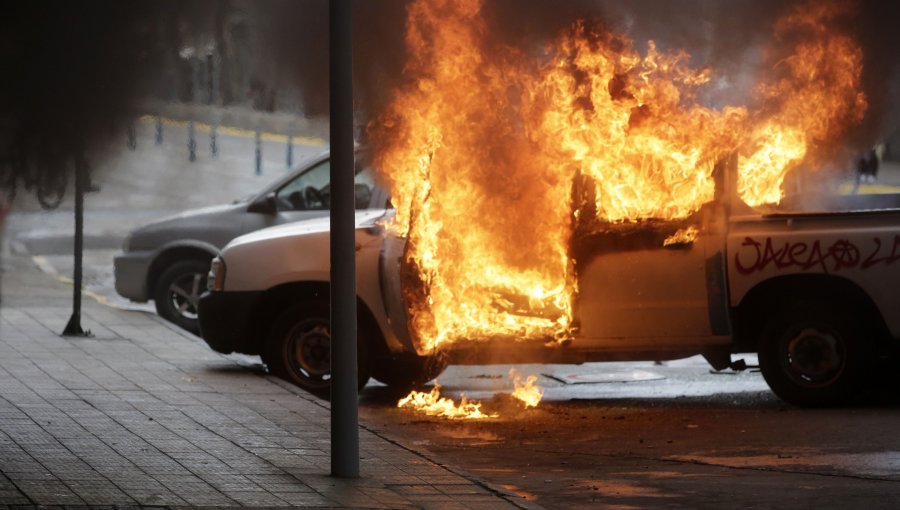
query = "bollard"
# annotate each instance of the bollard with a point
(159, 132)
(132, 137)
(213, 148)
(192, 143)
(290, 146)
(258, 151)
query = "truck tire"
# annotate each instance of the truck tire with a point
(405, 372)
(815, 355)
(298, 348)
(178, 293)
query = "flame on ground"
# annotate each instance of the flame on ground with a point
(433, 404)
(528, 392)
(492, 154)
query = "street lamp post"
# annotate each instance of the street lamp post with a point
(344, 411)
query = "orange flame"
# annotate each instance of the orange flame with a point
(528, 392)
(492, 156)
(463, 182)
(814, 99)
(433, 404)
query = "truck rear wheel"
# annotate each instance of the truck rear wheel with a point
(298, 348)
(815, 355)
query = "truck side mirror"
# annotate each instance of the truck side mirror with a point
(264, 204)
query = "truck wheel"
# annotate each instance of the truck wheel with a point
(298, 348)
(814, 355)
(178, 293)
(409, 371)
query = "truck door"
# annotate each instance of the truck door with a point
(392, 289)
(653, 287)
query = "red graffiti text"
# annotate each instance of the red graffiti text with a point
(828, 257)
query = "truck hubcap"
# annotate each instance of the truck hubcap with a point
(814, 357)
(311, 345)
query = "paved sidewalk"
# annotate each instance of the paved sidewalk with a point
(143, 414)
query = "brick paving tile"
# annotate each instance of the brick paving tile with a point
(426, 500)
(237, 485)
(442, 505)
(255, 498)
(305, 499)
(13, 497)
(48, 492)
(457, 489)
(487, 502)
(99, 492)
(155, 497)
(199, 494)
(17, 476)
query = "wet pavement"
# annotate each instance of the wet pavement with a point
(639, 445)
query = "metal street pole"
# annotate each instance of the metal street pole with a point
(73, 327)
(344, 411)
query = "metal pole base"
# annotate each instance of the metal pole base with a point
(73, 328)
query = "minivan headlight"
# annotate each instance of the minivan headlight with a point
(215, 280)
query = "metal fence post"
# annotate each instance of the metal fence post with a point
(258, 150)
(192, 143)
(159, 130)
(213, 147)
(290, 145)
(132, 136)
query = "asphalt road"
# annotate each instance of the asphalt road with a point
(686, 439)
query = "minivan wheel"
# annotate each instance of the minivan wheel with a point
(815, 355)
(178, 293)
(298, 348)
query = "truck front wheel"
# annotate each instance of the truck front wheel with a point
(298, 348)
(407, 371)
(814, 355)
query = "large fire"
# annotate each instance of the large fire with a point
(493, 155)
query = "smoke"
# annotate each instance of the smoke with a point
(71, 71)
(76, 71)
(875, 27)
(730, 37)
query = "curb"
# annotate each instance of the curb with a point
(234, 131)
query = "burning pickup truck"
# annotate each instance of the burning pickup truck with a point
(592, 202)
(812, 291)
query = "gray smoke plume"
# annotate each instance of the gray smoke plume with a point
(75, 72)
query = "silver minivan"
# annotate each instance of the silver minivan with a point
(167, 261)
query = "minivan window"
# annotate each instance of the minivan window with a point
(311, 190)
